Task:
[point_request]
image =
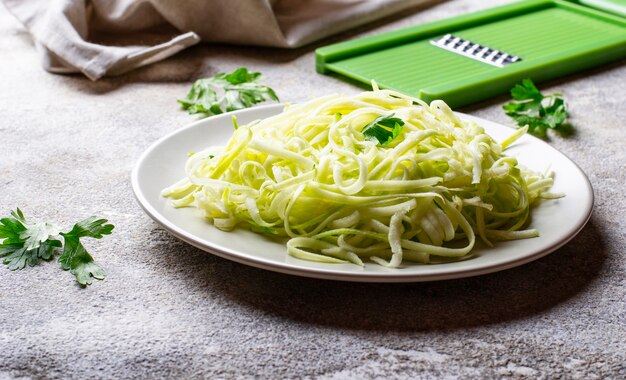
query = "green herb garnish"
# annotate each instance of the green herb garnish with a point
(384, 129)
(537, 111)
(226, 92)
(25, 242)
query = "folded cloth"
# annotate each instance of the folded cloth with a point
(111, 37)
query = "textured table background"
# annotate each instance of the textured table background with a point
(166, 309)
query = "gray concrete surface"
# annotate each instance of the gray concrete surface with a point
(168, 310)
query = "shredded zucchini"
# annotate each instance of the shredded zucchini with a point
(423, 194)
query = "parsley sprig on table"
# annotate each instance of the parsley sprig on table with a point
(540, 112)
(226, 92)
(384, 129)
(28, 243)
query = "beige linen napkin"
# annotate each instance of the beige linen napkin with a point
(110, 37)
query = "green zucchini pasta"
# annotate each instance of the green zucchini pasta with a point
(320, 174)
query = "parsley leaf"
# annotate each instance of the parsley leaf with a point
(24, 242)
(384, 129)
(530, 107)
(75, 257)
(226, 92)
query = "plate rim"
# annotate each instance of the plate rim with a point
(330, 274)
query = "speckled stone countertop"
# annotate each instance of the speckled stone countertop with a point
(168, 310)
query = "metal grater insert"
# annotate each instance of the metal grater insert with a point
(476, 51)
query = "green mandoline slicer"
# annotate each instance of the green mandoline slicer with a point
(475, 56)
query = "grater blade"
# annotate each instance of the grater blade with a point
(475, 51)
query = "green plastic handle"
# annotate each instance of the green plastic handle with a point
(617, 7)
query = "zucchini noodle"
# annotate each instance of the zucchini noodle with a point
(310, 174)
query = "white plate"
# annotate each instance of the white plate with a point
(558, 221)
